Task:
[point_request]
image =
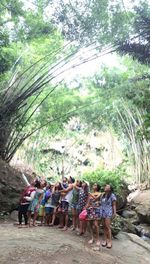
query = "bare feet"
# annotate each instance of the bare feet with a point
(98, 243)
(65, 228)
(91, 241)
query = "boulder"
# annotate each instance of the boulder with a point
(122, 197)
(143, 230)
(143, 212)
(14, 215)
(125, 225)
(129, 214)
(120, 224)
(139, 241)
(141, 203)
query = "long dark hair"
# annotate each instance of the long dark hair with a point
(110, 192)
(98, 187)
(59, 187)
(86, 188)
(37, 184)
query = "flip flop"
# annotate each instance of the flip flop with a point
(109, 246)
(104, 244)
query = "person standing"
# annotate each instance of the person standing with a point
(74, 204)
(35, 204)
(26, 197)
(55, 201)
(93, 213)
(108, 211)
(65, 202)
(83, 197)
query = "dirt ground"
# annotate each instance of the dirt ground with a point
(43, 245)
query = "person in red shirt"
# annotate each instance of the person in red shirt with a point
(25, 199)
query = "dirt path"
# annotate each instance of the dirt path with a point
(43, 245)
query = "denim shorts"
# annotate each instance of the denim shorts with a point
(74, 206)
(64, 206)
(49, 210)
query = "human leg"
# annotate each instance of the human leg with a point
(35, 217)
(20, 214)
(25, 211)
(108, 232)
(73, 218)
(96, 224)
(90, 225)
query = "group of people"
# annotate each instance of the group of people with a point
(51, 202)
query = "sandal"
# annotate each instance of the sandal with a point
(109, 245)
(80, 233)
(104, 244)
(72, 228)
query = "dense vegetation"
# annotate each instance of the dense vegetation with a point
(40, 42)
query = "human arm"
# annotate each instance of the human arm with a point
(114, 205)
(25, 179)
(70, 187)
(88, 202)
(31, 197)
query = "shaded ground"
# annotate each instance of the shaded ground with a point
(43, 245)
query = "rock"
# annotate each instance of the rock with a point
(120, 224)
(143, 212)
(143, 230)
(115, 227)
(139, 241)
(122, 197)
(129, 214)
(133, 195)
(125, 225)
(11, 186)
(141, 203)
(14, 215)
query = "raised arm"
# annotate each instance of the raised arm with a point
(70, 187)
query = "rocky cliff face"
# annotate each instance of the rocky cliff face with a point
(11, 185)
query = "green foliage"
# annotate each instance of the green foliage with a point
(139, 46)
(103, 177)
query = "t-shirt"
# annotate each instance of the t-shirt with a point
(107, 205)
(68, 196)
(27, 193)
(48, 198)
(55, 199)
(75, 196)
